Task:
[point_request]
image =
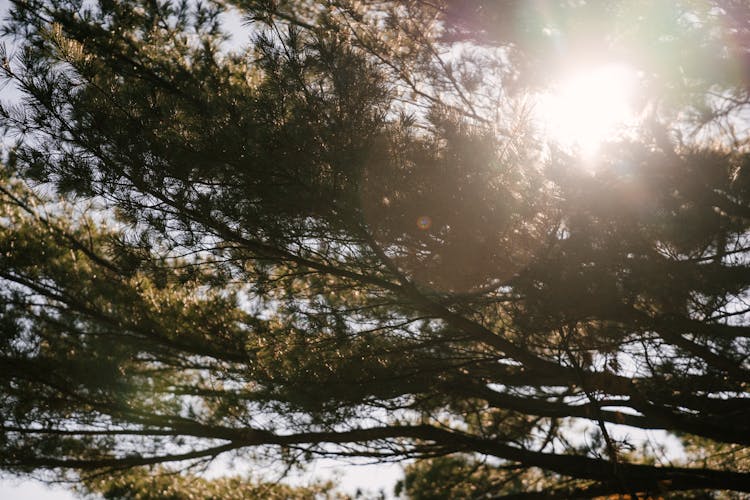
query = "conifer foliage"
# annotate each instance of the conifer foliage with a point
(342, 234)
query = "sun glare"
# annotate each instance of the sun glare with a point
(589, 107)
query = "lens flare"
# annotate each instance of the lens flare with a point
(424, 222)
(589, 107)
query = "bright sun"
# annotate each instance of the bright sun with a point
(589, 107)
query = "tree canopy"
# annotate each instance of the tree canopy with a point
(346, 234)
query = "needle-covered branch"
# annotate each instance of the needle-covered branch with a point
(346, 235)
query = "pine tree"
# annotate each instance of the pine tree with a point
(347, 238)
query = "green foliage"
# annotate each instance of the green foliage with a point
(349, 238)
(161, 484)
(459, 476)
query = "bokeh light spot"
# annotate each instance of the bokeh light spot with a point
(424, 222)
